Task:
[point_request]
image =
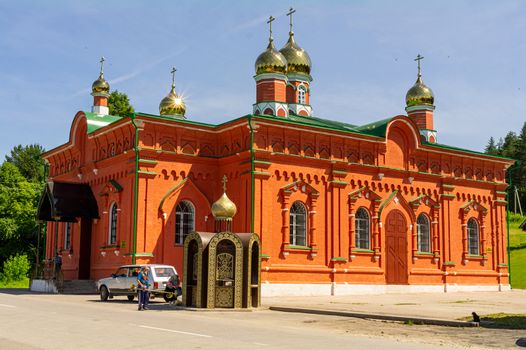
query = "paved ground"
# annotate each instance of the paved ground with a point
(447, 306)
(36, 321)
(442, 306)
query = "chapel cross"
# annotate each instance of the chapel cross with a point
(173, 76)
(102, 64)
(291, 11)
(224, 183)
(270, 20)
(418, 59)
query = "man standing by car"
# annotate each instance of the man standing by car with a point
(143, 285)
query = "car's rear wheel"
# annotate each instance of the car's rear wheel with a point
(131, 297)
(104, 293)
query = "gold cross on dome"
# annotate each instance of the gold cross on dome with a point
(102, 59)
(173, 75)
(270, 20)
(418, 59)
(291, 11)
(224, 183)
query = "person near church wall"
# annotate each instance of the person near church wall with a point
(143, 285)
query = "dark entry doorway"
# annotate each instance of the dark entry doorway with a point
(396, 248)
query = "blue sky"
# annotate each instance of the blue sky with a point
(362, 54)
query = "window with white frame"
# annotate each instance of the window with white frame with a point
(184, 220)
(301, 94)
(362, 229)
(298, 224)
(423, 233)
(67, 236)
(473, 237)
(112, 237)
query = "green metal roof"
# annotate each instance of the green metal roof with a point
(96, 121)
(375, 129)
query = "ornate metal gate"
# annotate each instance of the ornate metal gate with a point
(225, 274)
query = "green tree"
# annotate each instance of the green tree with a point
(119, 104)
(16, 268)
(511, 145)
(18, 205)
(28, 160)
(491, 147)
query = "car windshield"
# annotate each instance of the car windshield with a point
(164, 271)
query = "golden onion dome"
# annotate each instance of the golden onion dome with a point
(224, 208)
(298, 60)
(419, 94)
(172, 104)
(271, 61)
(100, 86)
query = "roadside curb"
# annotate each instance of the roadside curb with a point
(415, 320)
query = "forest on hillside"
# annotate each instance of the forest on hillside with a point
(513, 145)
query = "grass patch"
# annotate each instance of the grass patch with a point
(15, 284)
(517, 236)
(406, 304)
(501, 321)
(518, 268)
(517, 253)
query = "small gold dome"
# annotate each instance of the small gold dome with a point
(419, 94)
(271, 61)
(100, 86)
(224, 208)
(172, 104)
(298, 60)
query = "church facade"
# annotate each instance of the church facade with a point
(338, 208)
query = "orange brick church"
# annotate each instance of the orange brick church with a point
(339, 208)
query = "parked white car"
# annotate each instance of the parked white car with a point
(124, 281)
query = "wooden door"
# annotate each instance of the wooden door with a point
(396, 248)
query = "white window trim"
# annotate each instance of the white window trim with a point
(476, 231)
(294, 226)
(113, 205)
(358, 228)
(419, 233)
(181, 216)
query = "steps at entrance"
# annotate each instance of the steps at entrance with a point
(78, 287)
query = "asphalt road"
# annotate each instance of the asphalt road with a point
(38, 321)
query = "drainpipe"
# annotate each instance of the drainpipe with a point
(252, 173)
(508, 206)
(135, 186)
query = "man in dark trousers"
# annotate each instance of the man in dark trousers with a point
(143, 285)
(58, 264)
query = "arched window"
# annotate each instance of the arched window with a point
(422, 233)
(112, 239)
(298, 224)
(473, 237)
(67, 236)
(184, 220)
(362, 229)
(301, 94)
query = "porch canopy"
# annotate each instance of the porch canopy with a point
(66, 201)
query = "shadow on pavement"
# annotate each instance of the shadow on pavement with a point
(17, 291)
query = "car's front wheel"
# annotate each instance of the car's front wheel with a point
(104, 293)
(131, 297)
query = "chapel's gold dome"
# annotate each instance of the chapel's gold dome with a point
(224, 208)
(298, 60)
(172, 104)
(271, 61)
(100, 86)
(419, 94)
